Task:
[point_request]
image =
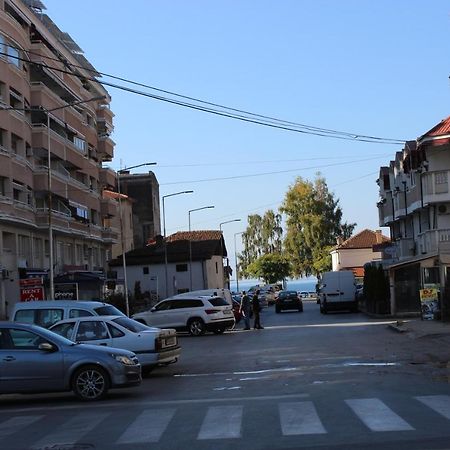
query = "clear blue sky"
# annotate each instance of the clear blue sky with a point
(370, 67)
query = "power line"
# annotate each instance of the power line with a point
(234, 177)
(268, 122)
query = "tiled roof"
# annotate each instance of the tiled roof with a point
(442, 128)
(364, 239)
(198, 235)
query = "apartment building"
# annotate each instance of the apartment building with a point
(55, 127)
(415, 205)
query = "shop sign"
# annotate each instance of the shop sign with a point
(31, 294)
(429, 301)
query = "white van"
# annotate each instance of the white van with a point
(337, 291)
(219, 292)
(46, 313)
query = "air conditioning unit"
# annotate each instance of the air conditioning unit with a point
(443, 209)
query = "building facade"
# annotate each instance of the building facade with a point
(143, 191)
(55, 126)
(356, 251)
(415, 204)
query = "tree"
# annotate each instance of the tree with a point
(314, 221)
(262, 236)
(271, 267)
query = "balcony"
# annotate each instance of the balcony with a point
(110, 235)
(107, 178)
(435, 186)
(108, 207)
(406, 248)
(385, 210)
(433, 241)
(106, 148)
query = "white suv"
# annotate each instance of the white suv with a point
(196, 314)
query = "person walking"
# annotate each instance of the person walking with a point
(256, 310)
(245, 309)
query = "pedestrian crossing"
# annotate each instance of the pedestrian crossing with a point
(222, 422)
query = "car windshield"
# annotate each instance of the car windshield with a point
(130, 324)
(108, 310)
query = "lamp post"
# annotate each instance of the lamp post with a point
(221, 244)
(235, 260)
(122, 234)
(165, 240)
(190, 242)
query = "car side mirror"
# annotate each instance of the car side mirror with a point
(47, 347)
(153, 309)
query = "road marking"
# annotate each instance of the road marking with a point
(300, 418)
(438, 403)
(222, 422)
(140, 403)
(73, 430)
(377, 416)
(148, 427)
(15, 424)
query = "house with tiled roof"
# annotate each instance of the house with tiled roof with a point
(353, 253)
(415, 204)
(184, 261)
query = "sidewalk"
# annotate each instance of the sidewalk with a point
(416, 328)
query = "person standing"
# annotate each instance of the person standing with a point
(256, 311)
(245, 309)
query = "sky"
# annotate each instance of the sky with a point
(369, 68)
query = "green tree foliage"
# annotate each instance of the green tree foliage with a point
(314, 221)
(262, 236)
(271, 267)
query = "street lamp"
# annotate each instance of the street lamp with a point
(122, 234)
(221, 243)
(235, 260)
(164, 228)
(190, 242)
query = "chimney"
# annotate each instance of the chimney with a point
(339, 240)
(379, 236)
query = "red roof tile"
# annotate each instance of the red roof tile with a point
(364, 239)
(198, 235)
(442, 128)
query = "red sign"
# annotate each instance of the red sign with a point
(30, 282)
(30, 294)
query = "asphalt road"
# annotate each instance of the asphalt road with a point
(337, 381)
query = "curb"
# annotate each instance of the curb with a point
(398, 327)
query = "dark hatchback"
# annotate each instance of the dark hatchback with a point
(288, 300)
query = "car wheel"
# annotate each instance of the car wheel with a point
(90, 383)
(219, 330)
(300, 309)
(277, 310)
(196, 327)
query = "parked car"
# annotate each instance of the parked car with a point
(222, 292)
(153, 346)
(193, 314)
(46, 313)
(337, 291)
(36, 360)
(288, 300)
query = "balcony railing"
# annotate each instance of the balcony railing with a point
(432, 241)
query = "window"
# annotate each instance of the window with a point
(114, 331)
(91, 331)
(2, 137)
(25, 316)
(24, 340)
(3, 186)
(79, 313)
(218, 301)
(441, 177)
(178, 304)
(108, 311)
(163, 306)
(182, 267)
(80, 144)
(47, 317)
(13, 56)
(145, 270)
(131, 324)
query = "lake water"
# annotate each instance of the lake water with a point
(301, 284)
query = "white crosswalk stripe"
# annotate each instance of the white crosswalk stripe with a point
(148, 427)
(16, 424)
(222, 422)
(72, 430)
(438, 403)
(300, 418)
(377, 416)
